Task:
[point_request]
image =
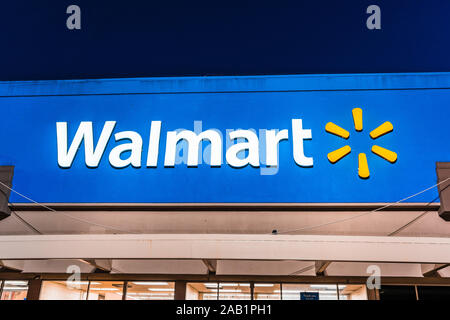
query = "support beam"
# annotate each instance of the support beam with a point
(103, 265)
(398, 280)
(34, 289)
(211, 265)
(13, 265)
(229, 246)
(321, 267)
(180, 290)
(6, 176)
(373, 294)
(432, 270)
(443, 174)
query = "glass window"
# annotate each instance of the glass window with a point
(14, 290)
(434, 293)
(202, 291)
(352, 292)
(266, 291)
(398, 293)
(150, 290)
(221, 291)
(234, 291)
(64, 290)
(309, 292)
(105, 290)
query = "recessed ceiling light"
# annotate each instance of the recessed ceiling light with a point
(16, 283)
(154, 283)
(81, 283)
(148, 294)
(226, 290)
(264, 284)
(324, 286)
(160, 289)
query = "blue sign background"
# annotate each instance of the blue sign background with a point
(416, 104)
(309, 295)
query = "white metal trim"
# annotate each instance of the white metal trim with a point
(230, 246)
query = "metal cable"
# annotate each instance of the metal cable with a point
(420, 216)
(65, 214)
(16, 215)
(283, 232)
(363, 214)
(26, 223)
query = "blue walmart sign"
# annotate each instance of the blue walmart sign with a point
(327, 138)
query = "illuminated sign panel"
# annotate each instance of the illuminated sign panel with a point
(331, 138)
(234, 156)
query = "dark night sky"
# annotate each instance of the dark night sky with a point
(176, 38)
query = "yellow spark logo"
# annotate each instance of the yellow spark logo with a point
(363, 167)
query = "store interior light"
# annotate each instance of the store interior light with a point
(323, 286)
(81, 283)
(160, 289)
(264, 284)
(16, 283)
(151, 283)
(230, 284)
(104, 289)
(226, 290)
(147, 297)
(210, 295)
(148, 294)
(13, 288)
(76, 283)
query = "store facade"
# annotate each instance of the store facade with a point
(265, 187)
